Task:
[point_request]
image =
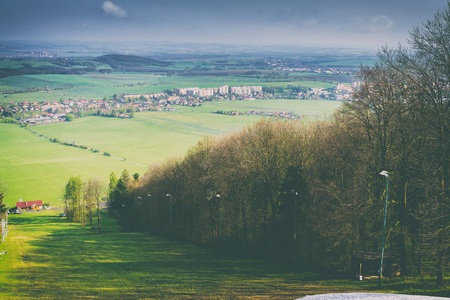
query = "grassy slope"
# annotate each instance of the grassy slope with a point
(50, 258)
(148, 138)
(35, 169)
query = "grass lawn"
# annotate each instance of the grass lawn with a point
(34, 168)
(49, 258)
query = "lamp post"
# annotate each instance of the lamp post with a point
(385, 174)
(60, 207)
(220, 219)
(295, 215)
(294, 236)
(170, 213)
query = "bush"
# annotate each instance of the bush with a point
(70, 117)
(8, 120)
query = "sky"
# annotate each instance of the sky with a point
(370, 23)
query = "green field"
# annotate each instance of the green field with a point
(49, 258)
(34, 168)
(350, 62)
(97, 86)
(305, 108)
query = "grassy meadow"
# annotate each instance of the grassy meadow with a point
(49, 258)
(305, 108)
(34, 168)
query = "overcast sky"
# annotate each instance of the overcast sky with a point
(371, 23)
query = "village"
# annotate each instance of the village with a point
(125, 105)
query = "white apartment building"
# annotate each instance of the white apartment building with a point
(223, 90)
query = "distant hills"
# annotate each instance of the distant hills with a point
(118, 62)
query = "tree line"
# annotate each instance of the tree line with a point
(311, 192)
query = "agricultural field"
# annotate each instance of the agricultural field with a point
(97, 86)
(304, 108)
(36, 169)
(47, 257)
(64, 81)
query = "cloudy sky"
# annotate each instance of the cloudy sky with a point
(371, 23)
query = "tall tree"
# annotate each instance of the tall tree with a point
(73, 195)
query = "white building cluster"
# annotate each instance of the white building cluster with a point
(222, 90)
(245, 90)
(146, 96)
(195, 91)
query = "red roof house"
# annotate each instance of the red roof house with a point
(29, 205)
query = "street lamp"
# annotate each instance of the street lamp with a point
(220, 218)
(295, 215)
(60, 207)
(170, 212)
(385, 174)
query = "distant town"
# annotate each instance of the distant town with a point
(125, 105)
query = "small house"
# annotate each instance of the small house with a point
(29, 205)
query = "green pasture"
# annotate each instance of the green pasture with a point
(32, 97)
(305, 108)
(56, 80)
(34, 168)
(49, 258)
(147, 138)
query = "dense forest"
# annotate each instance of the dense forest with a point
(311, 192)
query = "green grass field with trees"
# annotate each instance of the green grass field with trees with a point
(244, 206)
(29, 160)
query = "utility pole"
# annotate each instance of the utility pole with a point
(385, 174)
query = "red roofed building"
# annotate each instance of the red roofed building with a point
(29, 205)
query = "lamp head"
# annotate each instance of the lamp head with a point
(385, 174)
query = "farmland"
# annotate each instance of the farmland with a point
(34, 168)
(97, 86)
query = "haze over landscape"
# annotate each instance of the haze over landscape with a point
(327, 22)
